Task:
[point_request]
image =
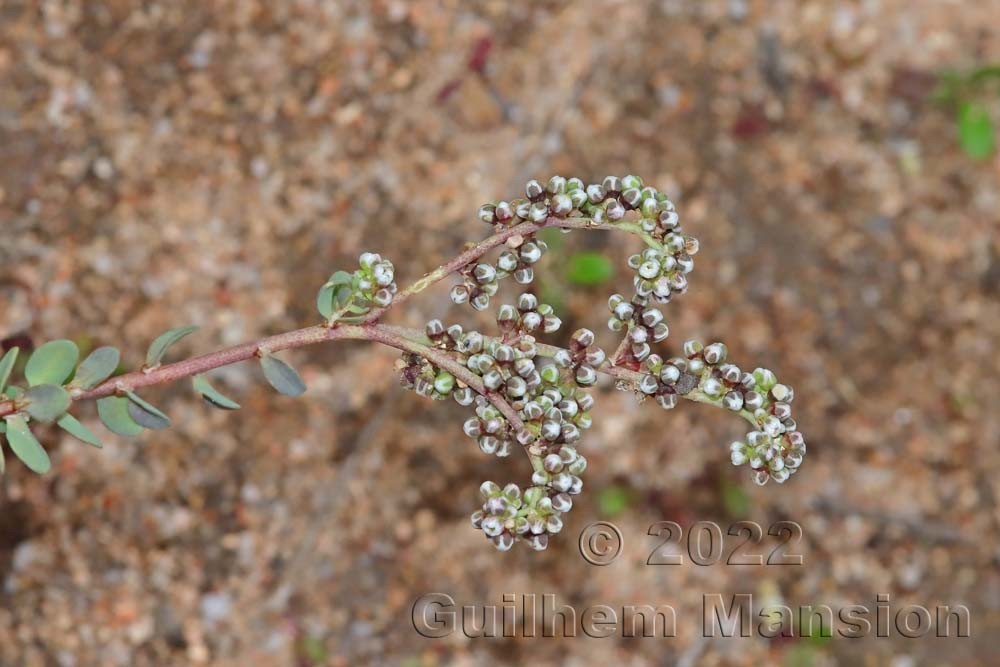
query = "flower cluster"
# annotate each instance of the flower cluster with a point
(546, 392)
(775, 450)
(659, 274)
(613, 197)
(346, 297)
(552, 409)
(376, 279)
(481, 281)
(507, 515)
(521, 392)
(582, 357)
(643, 324)
(559, 197)
(528, 317)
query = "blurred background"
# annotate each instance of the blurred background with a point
(166, 163)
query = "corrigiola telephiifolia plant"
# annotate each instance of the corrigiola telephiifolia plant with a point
(523, 391)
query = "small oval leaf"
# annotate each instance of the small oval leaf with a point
(97, 367)
(52, 363)
(334, 294)
(47, 402)
(26, 447)
(212, 395)
(72, 425)
(324, 300)
(282, 377)
(7, 365)
(113, 411)
(163, 342)
(146, 414)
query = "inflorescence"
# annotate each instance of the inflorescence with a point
(548, 392)
(523, 393)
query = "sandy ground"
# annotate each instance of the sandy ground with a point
(165, 163)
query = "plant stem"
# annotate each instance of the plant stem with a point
(607, 368)
(369, 329)
(285, 341)
(477, 250)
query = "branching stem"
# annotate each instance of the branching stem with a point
(371, 330)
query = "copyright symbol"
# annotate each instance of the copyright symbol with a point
(600, 543)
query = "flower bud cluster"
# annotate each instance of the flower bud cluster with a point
(659, 274)
(776, 449)
(509, 515)
(425, 378)
(613, 197)
(643, 323)
(376, 279)
(582, 357)
(528, 317)
(428, 380)
(553, 410)
(481, 281)
(559, 197)
(555, 414)
(510, 371)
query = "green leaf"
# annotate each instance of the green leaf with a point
(324, 300)
(163, 342)
(212, 395)
(975, 130)
(589, 268)
(13, 392)
(113, 411)
(52, 363)
(72, 425)
(7, 365)
(26, 447)
(47, 402)
(97, 367)
(146, 414)
(334, 294)
(282, 377)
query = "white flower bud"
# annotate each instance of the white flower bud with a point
(733, 400)
(586, 375)
(615, 210)
(503, 542)
(507, 261)
(492, 526)
(459, 294)
(533, 189)
(368, 259)
(383, 273)
(561, 205)
(539, 212)
(712, 387)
